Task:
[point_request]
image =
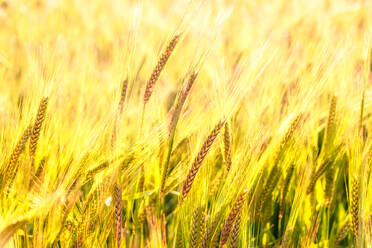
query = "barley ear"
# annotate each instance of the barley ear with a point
(119, 112)
(211, 230)
(179, 237)
(330, 174)
(341, 234)
(231, 218)
(330, 135)
(227, 142)
(159, 67)
(181, 102)
(40, 173)
(199, 159)
(284, 192)
(117, 214)
(331, 124)
(203, 226)
(11, 169)
(141, 183)
(195, 227)
(287, 137)
(172, 129)
(123, 96)
(270, 184)
(235, 233)
(354, 208)
(34, 138)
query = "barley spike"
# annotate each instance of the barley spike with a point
(235, 232)
(159, 67)
(231, 218)
(354, 208)
(199, 159)
(227, 142)
(117, 213)
(36, 129)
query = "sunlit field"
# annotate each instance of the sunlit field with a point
(200, 123)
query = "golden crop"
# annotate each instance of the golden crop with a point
(133, 123)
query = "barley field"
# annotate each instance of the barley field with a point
(198, 123)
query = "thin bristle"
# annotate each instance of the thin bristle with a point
(216, 183)
(159, 67)
(199, 159)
